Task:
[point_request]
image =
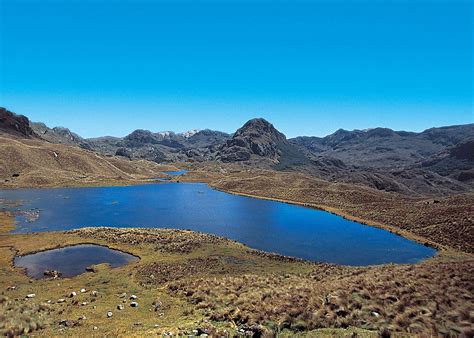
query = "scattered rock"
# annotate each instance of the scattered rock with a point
(52, 274)
(120, 307)
(134, 304)
(83, 317)
(94, 293)
(133, 297)
(11, 288)
(91, 269)
(72, 294)
(156, 305)
(95, 328)
(123, 295)
(68, 323)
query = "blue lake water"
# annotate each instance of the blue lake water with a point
(266, 225)
(72, 260)
(177, 172)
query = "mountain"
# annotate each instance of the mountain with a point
(58, 135)
(437, 161)
(15, 125)
(456, 162)
(194, 145)
(383, 147)
(259, 142)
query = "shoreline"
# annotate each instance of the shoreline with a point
(335, 211)
(445, 250)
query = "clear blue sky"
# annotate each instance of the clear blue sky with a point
(310, 67)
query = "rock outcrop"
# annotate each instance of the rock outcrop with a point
(15, 125)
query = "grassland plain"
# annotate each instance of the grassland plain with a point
(187, 282)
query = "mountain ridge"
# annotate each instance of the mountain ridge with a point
(435, 161)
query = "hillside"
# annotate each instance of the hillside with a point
(32, 163)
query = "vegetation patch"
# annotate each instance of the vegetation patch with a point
(22, 317)
(413, 299)
(164, 240)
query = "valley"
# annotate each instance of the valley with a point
(188, 282)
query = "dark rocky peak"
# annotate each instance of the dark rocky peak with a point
(381, 132)
(257, 137)
(339, 136)
(259, 127)
(140, 137)
(67, 134)
(13, 124)
(207, 137)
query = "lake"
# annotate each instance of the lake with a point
(71, 260)
(261, 224)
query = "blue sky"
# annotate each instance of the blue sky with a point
(310, 67)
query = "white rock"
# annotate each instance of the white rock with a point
(134, 304)
(72, 294)
(94, 293)
(84, 303)
(133, 297)
(376, 314)
(120, 307)
(83, 290)
(109, 314)
(31, 295)
(61, 300)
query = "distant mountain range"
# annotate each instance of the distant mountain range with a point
(435, 161)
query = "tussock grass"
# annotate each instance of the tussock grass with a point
(411, 299)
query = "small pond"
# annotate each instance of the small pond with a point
(261, 224)
(177, 172)
(71, 261)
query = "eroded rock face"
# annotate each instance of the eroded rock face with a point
(256, 137)
(13, 124)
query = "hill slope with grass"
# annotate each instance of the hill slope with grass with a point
(34, 163)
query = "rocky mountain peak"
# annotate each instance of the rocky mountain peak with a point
(13, 124)
(259, 127)
(256, 138)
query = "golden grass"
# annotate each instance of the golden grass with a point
(43, 164)
(211, 284)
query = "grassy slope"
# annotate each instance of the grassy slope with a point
(43, 164)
